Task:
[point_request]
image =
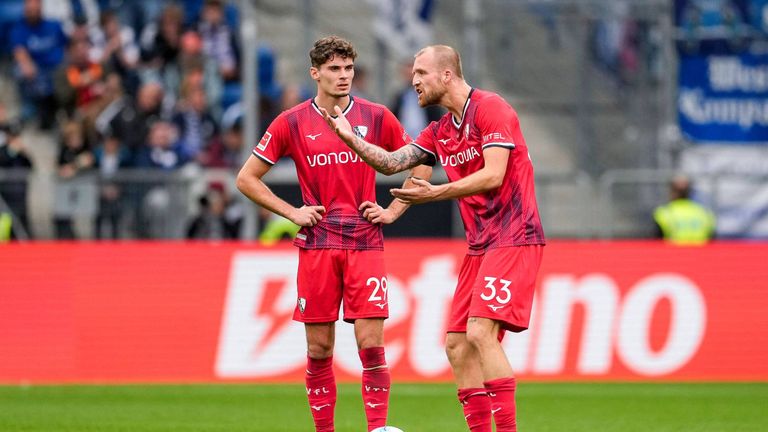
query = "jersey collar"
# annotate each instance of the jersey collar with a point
(346, 110)
(463, 112)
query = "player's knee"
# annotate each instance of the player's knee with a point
(370, 340)
(455, 349)
(479, 336)
(320, 350)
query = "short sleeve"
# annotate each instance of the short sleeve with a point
(273, 144)
(393, 136)
(497, 122)
(426, 142)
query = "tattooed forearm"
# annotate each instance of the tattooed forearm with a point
(389, 162)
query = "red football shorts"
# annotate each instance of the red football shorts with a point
(328, 276)
(498, 285)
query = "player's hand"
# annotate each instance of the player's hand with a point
(375, 213)
(339, 124)
(307, 215)
(423, 191)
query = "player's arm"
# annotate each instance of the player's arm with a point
(249, 182)
(486, 179)
(381, 160)
(377, 214)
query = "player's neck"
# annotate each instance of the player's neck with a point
(328, 102)
(455, 99)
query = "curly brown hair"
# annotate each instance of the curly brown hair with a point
(328, 47)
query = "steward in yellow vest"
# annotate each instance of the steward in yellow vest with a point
(683, 221)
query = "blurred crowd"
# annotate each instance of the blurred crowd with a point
(143, 99)
(126, 85)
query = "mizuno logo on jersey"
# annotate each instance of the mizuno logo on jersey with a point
(443, 141)
(459, 158)
(314, 137)
(323, 159)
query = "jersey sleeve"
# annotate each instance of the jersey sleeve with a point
(426, 142)
(497, 122)
(393, 136)
(274, 143)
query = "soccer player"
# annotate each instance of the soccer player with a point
(480, 146)
(340, 252)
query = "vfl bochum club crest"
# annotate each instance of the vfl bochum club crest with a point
(360, 131)
(302, 304)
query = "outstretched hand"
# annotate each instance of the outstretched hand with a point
(423, 191)
(339, 124)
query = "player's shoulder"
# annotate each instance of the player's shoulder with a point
(486, 97)
(491, 102)
(366, 104)
(303, 106)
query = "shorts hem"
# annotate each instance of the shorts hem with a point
(506, 325)
(351, 319)
(316, 320)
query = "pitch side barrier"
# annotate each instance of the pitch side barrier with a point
(206, 312)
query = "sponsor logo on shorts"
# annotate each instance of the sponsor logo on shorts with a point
(495, 308)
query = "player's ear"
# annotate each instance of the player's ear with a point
(314, 73)
(446, 75)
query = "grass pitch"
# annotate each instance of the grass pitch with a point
(542, 407)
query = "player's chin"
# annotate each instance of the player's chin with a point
(340, 94)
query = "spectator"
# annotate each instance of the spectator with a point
(405, 105)
(218, 39)
(74, 15)
(683, 221)
(163, 149)
(195, 69)
(116, 47)
(131, 125)
(38, 48)
(227, 150)
(13, 192)
(79, 82)
(161, 41)
(75, 156)
(110, 158)
(220, 217)
(195, 124)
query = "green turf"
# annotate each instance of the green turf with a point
(414, 408)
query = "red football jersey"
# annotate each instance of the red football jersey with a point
(330, 174)
(507, 216)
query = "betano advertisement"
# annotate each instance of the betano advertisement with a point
(181, 312)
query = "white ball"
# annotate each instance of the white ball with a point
(387, 429)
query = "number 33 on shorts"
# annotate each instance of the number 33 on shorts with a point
(496, 290)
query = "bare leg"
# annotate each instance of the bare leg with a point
(465, 362)
(320, 380)
(482, 333)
